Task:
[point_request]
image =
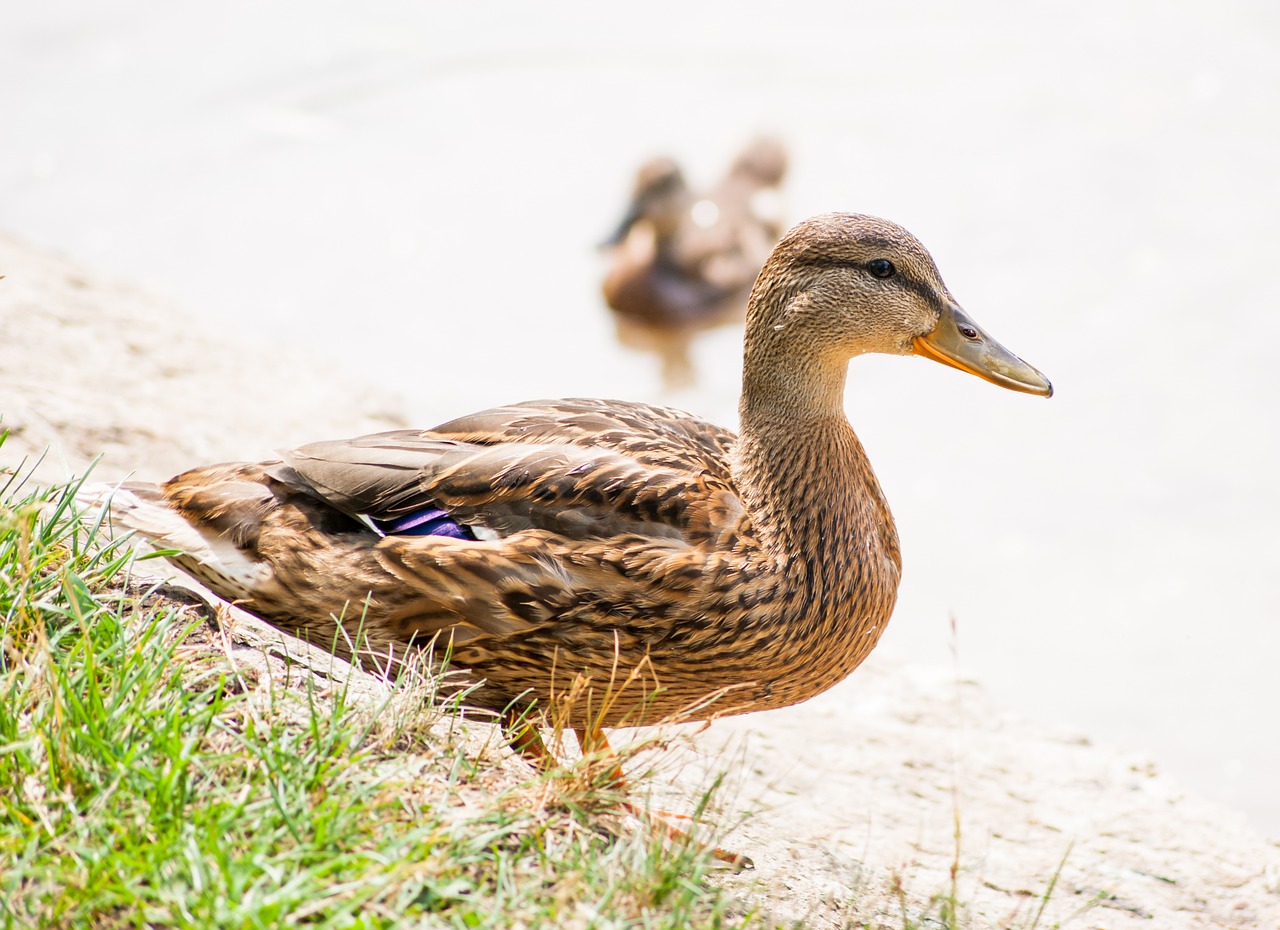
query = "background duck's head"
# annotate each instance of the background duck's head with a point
(843, 284)
(660, 197)
(763, 163)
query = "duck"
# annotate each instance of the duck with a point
(634, 559)
(679, 264)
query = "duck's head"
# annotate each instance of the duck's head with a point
(660, 198)
(763, 163)
(843, 284)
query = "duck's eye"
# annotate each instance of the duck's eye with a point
(881, 267)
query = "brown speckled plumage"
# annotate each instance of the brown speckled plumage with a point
(614, 536)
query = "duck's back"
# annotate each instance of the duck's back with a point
(651, 434)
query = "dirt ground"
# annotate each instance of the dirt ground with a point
(841, 801)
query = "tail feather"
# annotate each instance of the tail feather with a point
(208, 553)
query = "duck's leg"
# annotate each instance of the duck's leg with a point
(593, 740)
(523, 737)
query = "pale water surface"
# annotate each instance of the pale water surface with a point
(414, 190)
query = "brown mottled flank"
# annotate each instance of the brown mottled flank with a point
(729, 573)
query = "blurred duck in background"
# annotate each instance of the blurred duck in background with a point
(681, 263)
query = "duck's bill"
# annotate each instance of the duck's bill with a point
(634, 211)
(961, 343)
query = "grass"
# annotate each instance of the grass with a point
(146, 780)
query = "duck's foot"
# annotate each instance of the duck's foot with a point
(660, 822)
(525, 739)
(594, 740)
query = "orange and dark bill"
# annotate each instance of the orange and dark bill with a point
(961, 343)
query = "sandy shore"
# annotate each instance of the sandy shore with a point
(841, 800)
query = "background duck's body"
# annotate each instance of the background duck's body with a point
(667, 564)
(680, 263)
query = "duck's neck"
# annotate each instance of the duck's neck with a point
(822, 529)
(812, 390)
(803, 475)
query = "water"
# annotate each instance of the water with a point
(414, 191)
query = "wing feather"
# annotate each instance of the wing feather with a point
(578, 468)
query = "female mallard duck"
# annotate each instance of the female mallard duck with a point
(680, 264)
(644, 553)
